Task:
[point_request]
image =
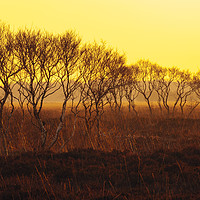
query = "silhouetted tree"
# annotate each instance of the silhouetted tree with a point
(36, 54)
(162, 86)
(8, 70)
(100, 72)
(183, 89)
(195, 85)
(130, 92)
(144, 79)
(115, 97)
(67, 72)
(175, 84)
(117, 94)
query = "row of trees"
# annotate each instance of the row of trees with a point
(40, 64)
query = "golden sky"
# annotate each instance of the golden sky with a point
(164, 31)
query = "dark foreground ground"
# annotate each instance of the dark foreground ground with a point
(89, 174)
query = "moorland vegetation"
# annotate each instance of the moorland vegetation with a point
(102, 142)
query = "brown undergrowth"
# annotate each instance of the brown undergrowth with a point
(136, 157)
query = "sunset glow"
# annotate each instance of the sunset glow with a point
(165, 32)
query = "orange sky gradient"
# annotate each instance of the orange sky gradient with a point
(165, 32)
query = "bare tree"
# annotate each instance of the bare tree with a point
(36, 54)
(195, 85)
(144, 78)
(8, 70)
(67, 72)
(115, 97)
(130, 92)
(117, 93)
(162, 86)
(172, 83)
(183, 89)
(100, 72)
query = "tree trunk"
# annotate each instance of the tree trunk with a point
(42, 129)
(60, 126)
(129, 106)
(149, 105)
(4, 150)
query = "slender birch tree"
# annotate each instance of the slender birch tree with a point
(67, 72)
(100, 71)
(36, 54)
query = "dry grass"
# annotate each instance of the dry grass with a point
(136, 157)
